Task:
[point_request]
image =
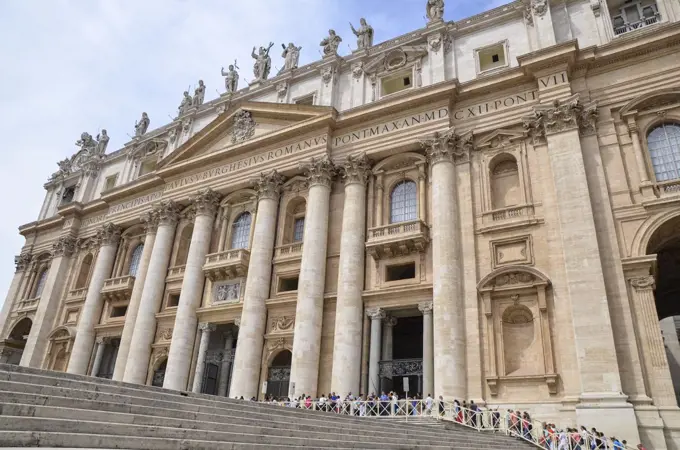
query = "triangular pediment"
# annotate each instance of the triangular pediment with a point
(245, 123)
(500, 138)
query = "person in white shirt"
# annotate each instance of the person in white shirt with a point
(428, 404)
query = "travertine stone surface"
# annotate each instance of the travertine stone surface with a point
(206, 329)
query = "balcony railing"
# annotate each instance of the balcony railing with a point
(77, 294)
(176, 273)
(632, 26)
(288, 252)
(397, 239)
(118, 288)
(227, 264)
(28, 303)
(668, 187)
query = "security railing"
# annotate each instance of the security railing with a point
(511, 423)
(645, 21)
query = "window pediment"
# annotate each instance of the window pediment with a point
(512, 277)
(500, 138)
(651, 101)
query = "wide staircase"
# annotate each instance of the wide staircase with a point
(40, 408)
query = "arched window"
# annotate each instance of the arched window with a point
(504, 182)
(664, 150)
(40, 284)
(403, 203)
(135, 259)
(240, 231)
(85, 266)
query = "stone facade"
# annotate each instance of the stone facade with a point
(498, 195)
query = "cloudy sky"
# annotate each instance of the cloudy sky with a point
(80, 65)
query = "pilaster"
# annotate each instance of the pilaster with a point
(34, 351)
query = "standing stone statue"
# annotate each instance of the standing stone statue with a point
(330, 44)
(102, 142)
(291, 55)
(435, 10)
(142, 125)
(364, 34)
(186, 103)
(230, 79)
(263, 62)
(199, 94)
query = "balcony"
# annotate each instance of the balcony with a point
(227, 264)
(28, 304)
(288, 252)
(75, 295)
(668, 188)
(118, 288)
(626, 27)
(397, 239)
(176, 273)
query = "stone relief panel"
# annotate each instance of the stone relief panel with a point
(229, 292)
(282, 324)
(511, 251)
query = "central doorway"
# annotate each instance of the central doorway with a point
(406, 358)
(278, 376)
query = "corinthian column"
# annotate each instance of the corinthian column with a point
(376, 315)
(428, 349)
(145, 325)
(349, 309)
(225, 366)
(108, 237)
(206, 330)
(651, 340)
(151, 224)
(304, 370)
(98, 355)
(448, 302)
(205, 204)
(34, 351)
(254, 316)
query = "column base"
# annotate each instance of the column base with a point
(609, 413)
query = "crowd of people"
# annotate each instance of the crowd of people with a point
(513, 422)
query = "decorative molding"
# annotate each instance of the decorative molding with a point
(102, 340)
(282, 90)
(150, 222)
(319, 171)
(562, 115)
(425, 307)
(539, 7)
(205, 326)
(165, 334)
(22, 261)
(327, 73)
(643, 283)
(64, 246)
(376, 313)
(205, 202)
(355, 169)
(448, 146)
(282, 324)
(109, 234)
(244, 127)
(595, 5)
(268, 186)
(167, 212)
(357, 70)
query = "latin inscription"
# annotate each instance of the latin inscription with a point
(139, 201)
(495, 105)
(390, 127)
(245, 163)
(552, 80)
(94, 220)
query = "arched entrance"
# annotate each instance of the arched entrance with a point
(665, 244)
(278, 376)
(13, 346)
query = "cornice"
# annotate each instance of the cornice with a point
(141, 184)
(563, 53)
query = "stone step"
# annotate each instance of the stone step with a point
(269, 413)
(72, 414)
(89, 384)
(11, 392)
(14, 423)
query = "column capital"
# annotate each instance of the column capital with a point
(448, 146)
(645, 283)
(167, 212)
(237, 322)
(355, 169)
(205, 202)
(150, 222)
(319, 171)
(205, 326)
(425, 308)
(109, 234)
(102, 340)
(22, 261)
(390, 321)
(268, 186)
(559, 116)
(376, 313)
(65, 246)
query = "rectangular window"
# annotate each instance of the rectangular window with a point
(173, 300)
(67, 195)
(395, 83)
(299, 229)
(110, 182)
(306, 100)
(400, 272)
(118, 311)
(288, 284)
(491, 57)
